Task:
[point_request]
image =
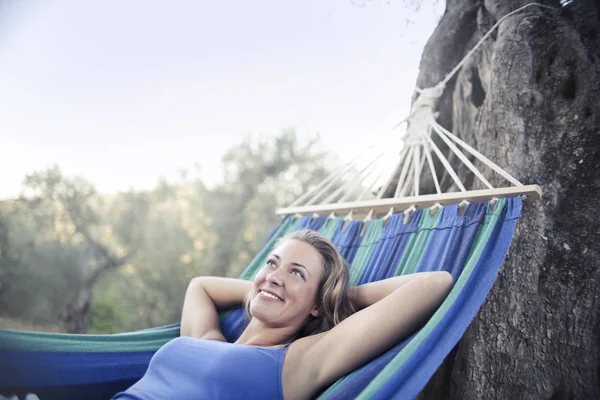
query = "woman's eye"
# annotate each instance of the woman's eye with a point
(298, 272)
(271, 263)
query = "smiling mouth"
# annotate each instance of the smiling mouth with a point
(269, 295)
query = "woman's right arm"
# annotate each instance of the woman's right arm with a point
(204, 298)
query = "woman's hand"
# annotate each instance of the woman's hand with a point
(204, 298)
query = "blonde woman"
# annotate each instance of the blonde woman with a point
(307, 327)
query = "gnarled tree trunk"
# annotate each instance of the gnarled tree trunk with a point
(529, 99)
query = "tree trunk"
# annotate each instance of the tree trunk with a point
(529, 99)
(75, 317)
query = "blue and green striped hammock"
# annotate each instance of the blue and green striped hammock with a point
(471, 247)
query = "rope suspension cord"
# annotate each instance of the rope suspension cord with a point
(385, 187)
(438, 190)
(369, 188)
(421, 123)
(349, 185)
(477, 154)
(446, 164)
(329, 181)
(404, 173)
(460, 155)
(356, 183)
(480, 42)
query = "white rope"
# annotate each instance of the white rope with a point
(420, 161)
(370, 187)
(410, 155)
(357, 181)
(340, 171)
(477, 154)
(374, 181)
(404, 172)
(488, 33)
(348, 184)
(446, 165)
(384, 188)
(432, 168)
(459, 154)
(336, 176)
(399, 123)
(429, 96)
(417, 170)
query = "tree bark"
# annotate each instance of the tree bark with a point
(529, 99)
(75, 317)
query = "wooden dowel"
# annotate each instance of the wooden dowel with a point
(532, 193)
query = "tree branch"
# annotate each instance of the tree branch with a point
(111, 260)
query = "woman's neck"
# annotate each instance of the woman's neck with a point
(258, 334)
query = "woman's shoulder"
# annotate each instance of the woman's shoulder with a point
(299, 372)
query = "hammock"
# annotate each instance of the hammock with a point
(466, 233)
(470, 246)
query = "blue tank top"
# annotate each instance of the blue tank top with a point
(188, 368)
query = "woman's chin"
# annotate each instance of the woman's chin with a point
(264, 313)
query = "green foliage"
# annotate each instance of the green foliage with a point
(107, 316)
(58, 239)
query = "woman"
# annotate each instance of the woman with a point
(307, 327)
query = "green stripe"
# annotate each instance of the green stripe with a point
(370, 239)
(477, 248)
(149, 340)
(330, 226)
(417, 243)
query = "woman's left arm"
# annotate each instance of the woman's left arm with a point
(370, 293)
(392, 309)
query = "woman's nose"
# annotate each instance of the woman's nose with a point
(274, 278)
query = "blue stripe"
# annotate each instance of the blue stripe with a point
(42, 368)
(388, 251)
(347, 239)
(412, 377)
(450, 242)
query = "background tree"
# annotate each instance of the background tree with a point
(121, 262)
(260, 176)
(189, 230)
(69, 244)
(529, 99)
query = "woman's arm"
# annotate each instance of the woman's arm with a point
(370, 293)
(393, 309)
(204, 298)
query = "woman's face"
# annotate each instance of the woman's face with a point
(285, 289)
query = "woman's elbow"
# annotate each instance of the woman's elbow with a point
(441, 282)
(446, 278)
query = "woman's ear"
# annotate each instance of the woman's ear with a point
(315, 312)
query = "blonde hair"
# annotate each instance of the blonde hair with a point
(333, 303)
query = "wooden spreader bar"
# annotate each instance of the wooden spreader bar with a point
(529, 192)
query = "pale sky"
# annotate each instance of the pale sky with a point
(125, 92)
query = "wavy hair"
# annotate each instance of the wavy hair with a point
(333, 303)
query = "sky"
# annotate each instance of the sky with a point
(123, 93)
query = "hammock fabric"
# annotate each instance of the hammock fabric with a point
(471, 247)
